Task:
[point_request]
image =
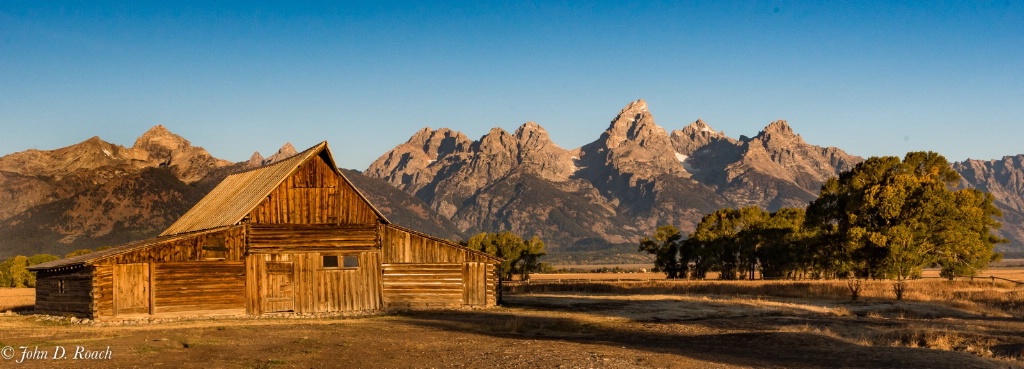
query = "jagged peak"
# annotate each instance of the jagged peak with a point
(778, 129)
(638, 105)
(256, 159)
(529, 129)
(160, 135)
(496, 131)
(530, 126)
(286, 151)
(779, 126)
(698, 127)
(422, 135)
(288, 148)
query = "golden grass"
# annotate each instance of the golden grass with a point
(982, 296)
(17, 298)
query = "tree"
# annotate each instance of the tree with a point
(529, 259)
(14, 271)
(719, 243)
(780, 243)
(519, 258)
(665, 245)
(888, 218)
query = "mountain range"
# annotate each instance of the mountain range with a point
(591, 203)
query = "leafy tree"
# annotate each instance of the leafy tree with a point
(17, 273)
(666, 245)
(891, 218)
(780, 243)
(520, 258)
(14, 271)
(719, 241)
(529, 259)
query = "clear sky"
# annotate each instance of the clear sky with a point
(236, 77)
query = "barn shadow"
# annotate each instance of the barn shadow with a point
(771, 342)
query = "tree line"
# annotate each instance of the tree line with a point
(14, 271)
(519, 257)
(885, 218)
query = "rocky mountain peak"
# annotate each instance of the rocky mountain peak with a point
(161, 147)
(636, 124)
(497, 142)
(160, 137)
(777, 129)
(694, 137)
(285, 152)
(699, 126)
(531, 135)
(255, 160)
(422, 136)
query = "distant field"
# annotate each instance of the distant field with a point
(1012, 269)
(1016, 273)
(595, 276)
(647, 266)
(17, 298)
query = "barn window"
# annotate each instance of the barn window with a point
(346, 261)
(60, 286)
(215, 248)
(330, 261)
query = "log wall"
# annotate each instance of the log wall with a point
(65, 292)
(187, 286)
(315, 194)
(423, 286)
(424, 272)
(210, 250)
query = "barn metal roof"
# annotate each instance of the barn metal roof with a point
(239, 194)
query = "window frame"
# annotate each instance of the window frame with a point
(341, 260)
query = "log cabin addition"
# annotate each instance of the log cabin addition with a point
(293, 236)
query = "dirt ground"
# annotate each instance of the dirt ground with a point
(554, 331)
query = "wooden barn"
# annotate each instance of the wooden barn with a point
(293, 236)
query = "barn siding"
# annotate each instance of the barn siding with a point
(175, 286)
(284, 238)
(103, 290)
(419, 272)
(186, 249)
(74, 300)
(313, 288)
(314, 194)
(422, 286)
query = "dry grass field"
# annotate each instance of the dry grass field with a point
(17, 299)
(596, 324)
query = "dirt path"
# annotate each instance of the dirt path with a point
(541, 331)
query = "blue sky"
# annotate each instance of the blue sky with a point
(235, 77)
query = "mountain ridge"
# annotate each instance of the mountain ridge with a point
(604, 195)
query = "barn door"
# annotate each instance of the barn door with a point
(280, 296)
(474, 283)
(131, 288)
